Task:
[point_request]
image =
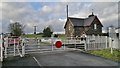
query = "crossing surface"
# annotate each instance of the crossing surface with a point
(48, 55)
(58, 58)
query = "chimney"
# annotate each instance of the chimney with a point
(67, 11)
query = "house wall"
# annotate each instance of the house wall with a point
(78, 31)
(95, 31)
(69, 30)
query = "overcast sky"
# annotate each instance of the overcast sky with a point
(43, 14)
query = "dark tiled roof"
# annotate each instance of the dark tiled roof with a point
(77, 21)
(89, 20)
(82, 21)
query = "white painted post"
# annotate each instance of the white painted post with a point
(106, 41)
(5, 52)
(75, 42)
(52, 44)
(112, 47)
(1, 57)
(6, 45)
(88, 42)
(14, 46)
(64, 44)
(23, 47)
(85, 44)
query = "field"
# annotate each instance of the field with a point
(106, 53)
(61, 36)
(32, 36)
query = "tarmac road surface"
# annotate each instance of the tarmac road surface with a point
(59, 58)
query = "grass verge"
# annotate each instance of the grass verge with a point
(106, 53)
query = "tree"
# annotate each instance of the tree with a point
(16, 28)
(47, 32)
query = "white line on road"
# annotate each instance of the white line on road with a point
(37, 62)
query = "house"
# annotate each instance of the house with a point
(75, 27)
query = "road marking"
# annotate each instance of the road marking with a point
(37, 62)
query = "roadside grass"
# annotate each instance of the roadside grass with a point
(106, 53)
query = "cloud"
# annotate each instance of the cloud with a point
(54, 14)
(59, 0)
(46, 9)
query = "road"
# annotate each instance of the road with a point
(58, 58)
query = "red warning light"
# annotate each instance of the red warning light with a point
(58, 44)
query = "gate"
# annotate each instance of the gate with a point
(35, 45)
(21, 46)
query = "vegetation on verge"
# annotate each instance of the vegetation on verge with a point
(106, 53)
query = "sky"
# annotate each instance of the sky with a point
(53, 13)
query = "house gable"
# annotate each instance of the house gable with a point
(69, 28)
(83, 25)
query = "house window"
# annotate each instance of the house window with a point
(95, 26)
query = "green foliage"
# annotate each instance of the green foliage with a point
(106, 53)
(47, 32)
(16, 28)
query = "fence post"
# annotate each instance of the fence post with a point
(14, 47)
(106, 41)
(112, 46)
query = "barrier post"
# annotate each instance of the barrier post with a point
(14, 47)
(64, 44)
(5, 52)
(52, 43)
(75, 42)
(85, 45)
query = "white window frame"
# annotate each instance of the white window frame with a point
(95, 26)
